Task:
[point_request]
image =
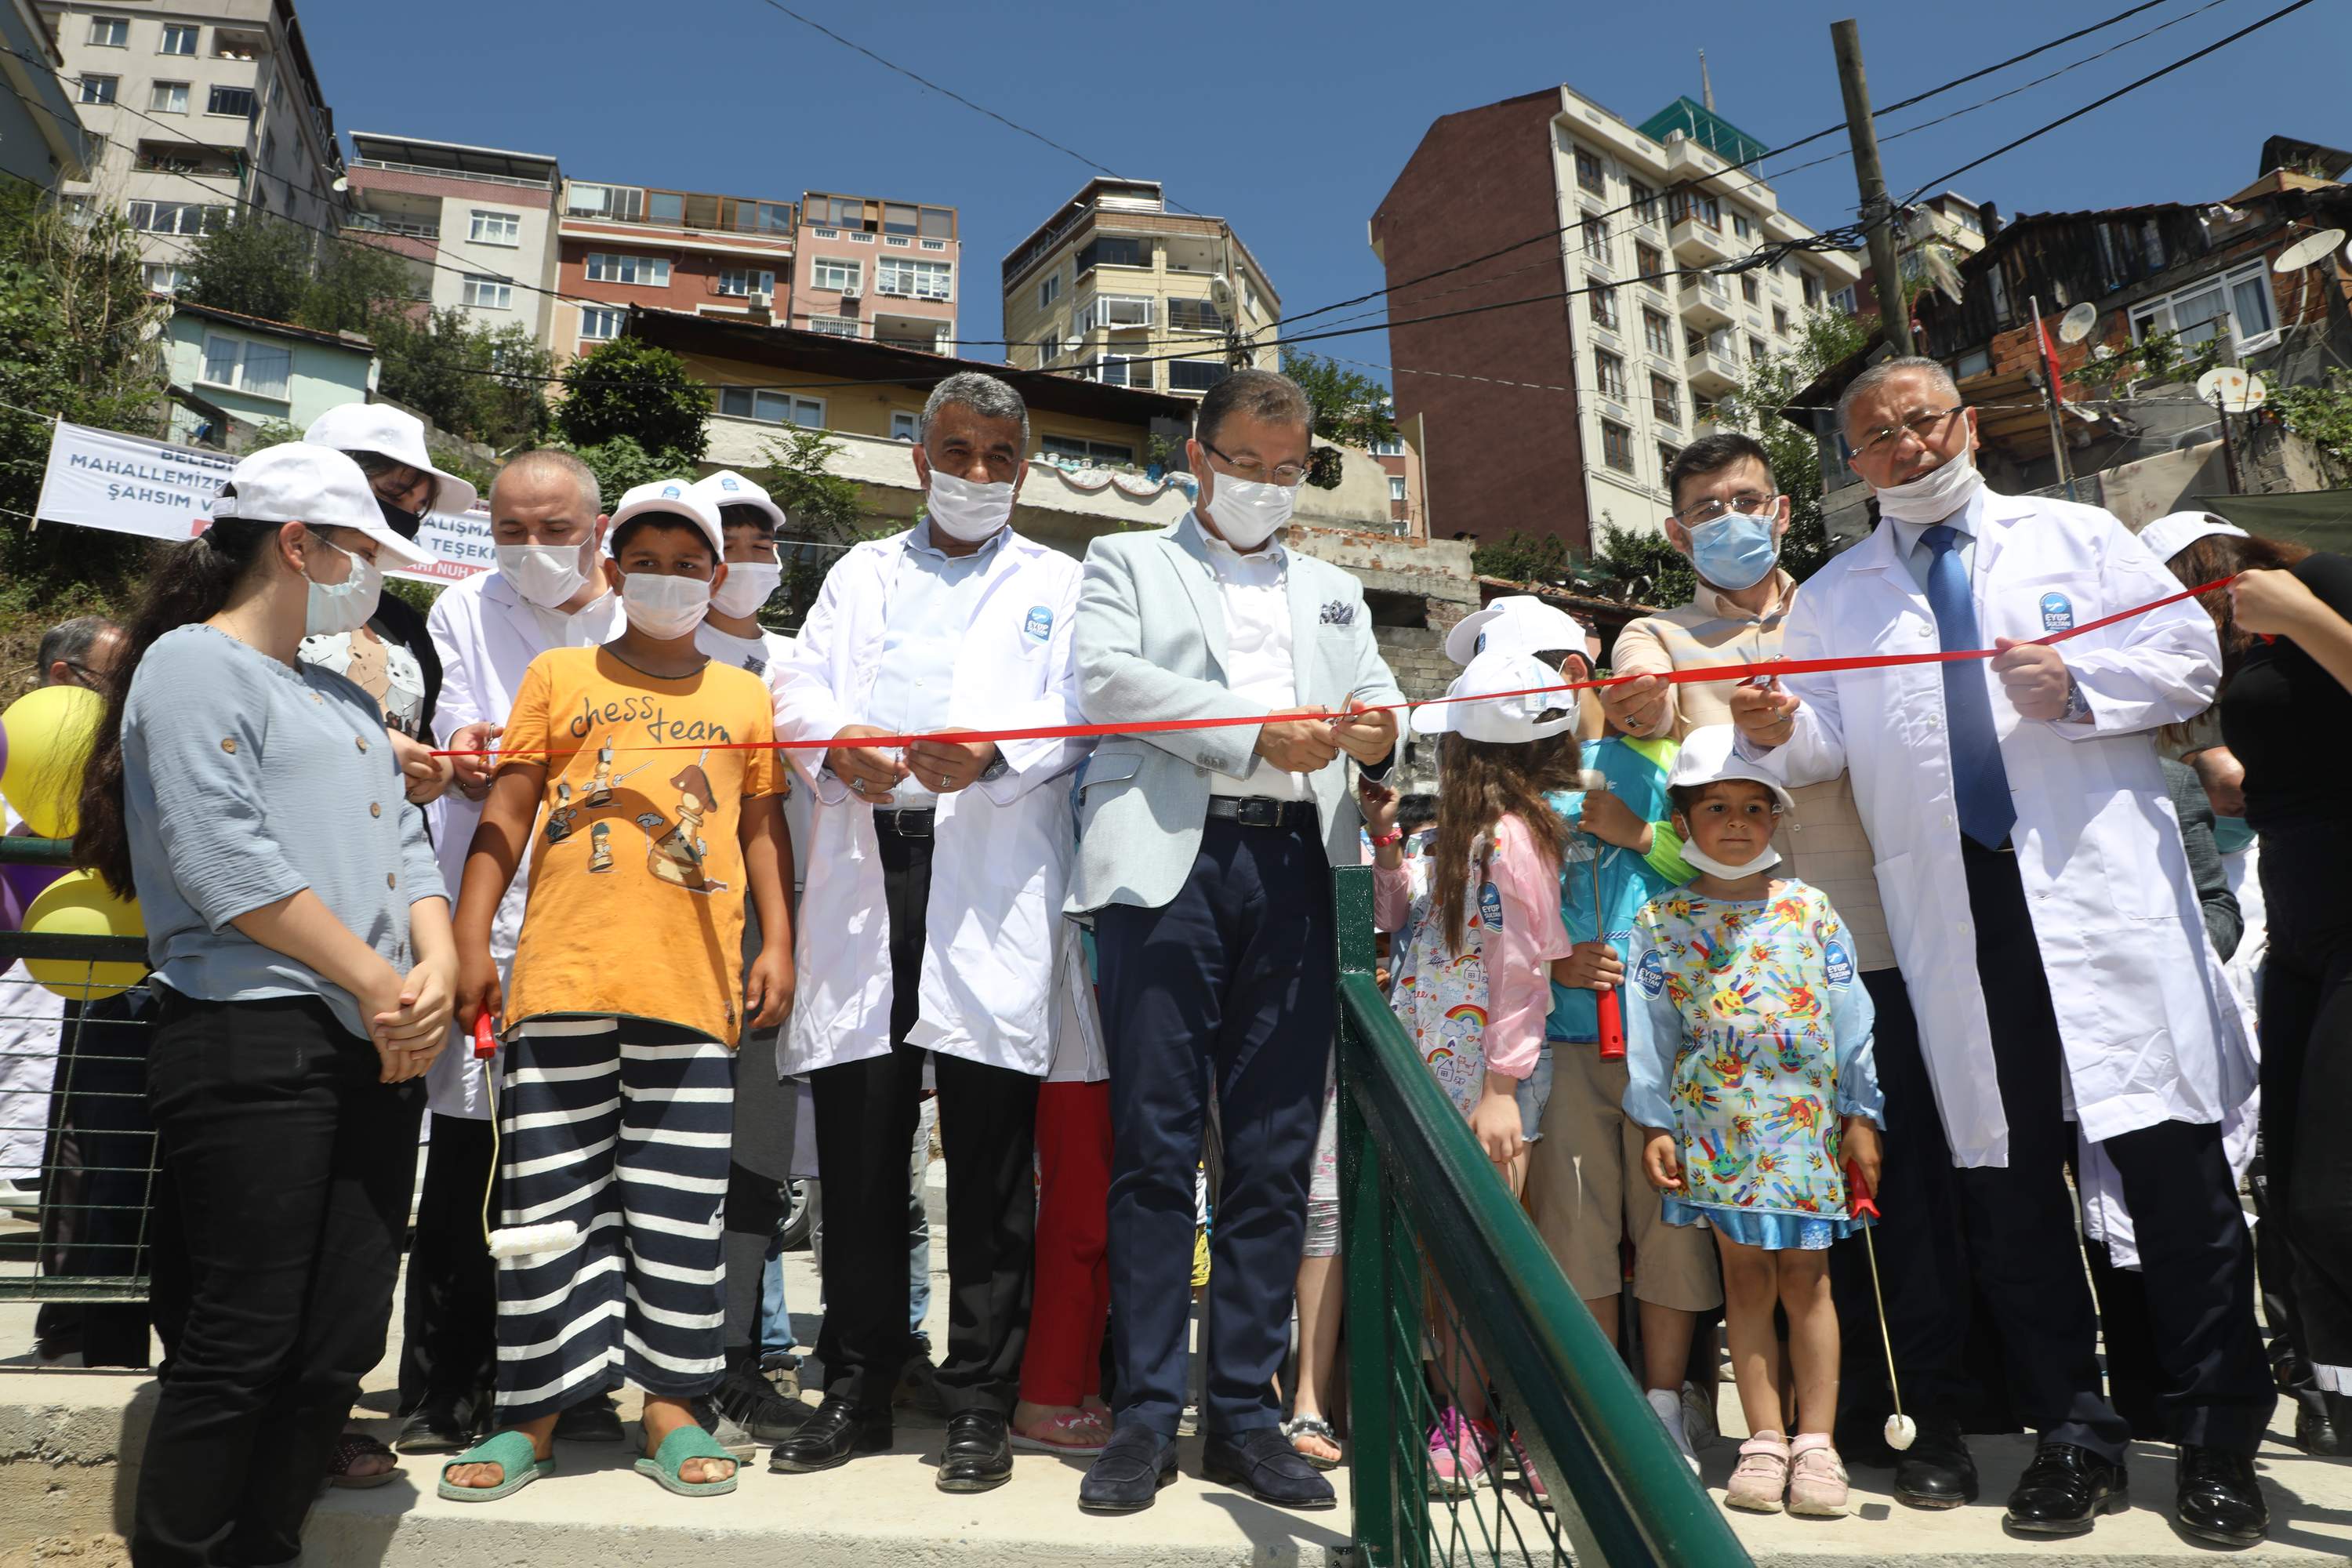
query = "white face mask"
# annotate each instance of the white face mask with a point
(546, 574)
(967, 511)
(1247, 513)
(1699, 859)
(748, 585)
(664, 607)
(1934, 495)
(344, 606)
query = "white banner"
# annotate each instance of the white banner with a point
(103, 478)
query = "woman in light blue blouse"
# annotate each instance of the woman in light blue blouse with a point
(298, 933)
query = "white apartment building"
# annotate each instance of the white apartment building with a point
(204, 106)
(478, 224)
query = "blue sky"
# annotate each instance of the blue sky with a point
(1291, 119)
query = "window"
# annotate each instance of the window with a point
(1391, 448)
(99, 89)
(741, 282)
(2240, 299)
(1780, 320)
(1976, 362)
(1741, 227)
(1967, 218)
(235, 100)
(921, 279)
(1698, 206)
(1396, 488)
(830, 272)
(178, 39)
(1667, 456)
(647, 271)
(1114, 311)
(1110, 251)
(1609, 372)
(1657, 332)
(497, 228)
(1589, 173)
(1596, 239)
(164, 278)
(1086, 451)
(1602, 304)
(1813, 287)
(1665, 399)
(484, 293)
(1750, 290)
(903, 424)
(1843, 299)
(168, 98)
(109, 32)
(175, 217)
(1194, 316)
(603, 201)
(1649, 263)
(773, 407)
(1120, 370)
(260, 369)
(1645, 203)
(601, 323)
(1194, 374)
(835, 326)
(1616, 445)
(1049, 290)
(1755, 349)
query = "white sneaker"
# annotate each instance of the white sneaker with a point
(1668, 1405)
(1698, 1415)
(19, 1197)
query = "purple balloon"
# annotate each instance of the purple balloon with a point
(26, 881)
(12, 911)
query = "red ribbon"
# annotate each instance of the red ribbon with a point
(1771, 669)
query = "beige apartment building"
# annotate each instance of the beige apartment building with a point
(205, 106)
(1115, 280)
(477, 223)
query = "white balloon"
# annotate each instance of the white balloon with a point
(1901, 1432)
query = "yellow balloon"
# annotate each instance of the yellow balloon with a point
(79, 903)
(49, 733)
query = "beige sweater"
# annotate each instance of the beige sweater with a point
(1824, 844)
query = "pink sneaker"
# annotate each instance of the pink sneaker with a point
(1817, 1484)
(1761, 1476)
(1537, 1493)
(1459, 1454)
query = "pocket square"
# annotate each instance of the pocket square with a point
(1339, 612)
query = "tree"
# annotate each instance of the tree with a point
(1349, 406)
(622, 464)
(255, 264)
(1824, 337)
(1647, 568)
(631, 387)
(356, 285)
(483, 386)
(821, 511)
(1521, 557)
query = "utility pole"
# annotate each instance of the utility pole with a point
(1846, 38)
(1237, 355)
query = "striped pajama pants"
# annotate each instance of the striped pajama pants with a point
(622, 1126)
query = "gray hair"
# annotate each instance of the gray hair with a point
(1877, 376)
(983, 395)
(548, 462)
(71, 641)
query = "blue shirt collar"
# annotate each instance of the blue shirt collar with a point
(920, 538)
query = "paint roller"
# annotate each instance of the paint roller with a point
(1609, 1013)
(1901, 1430)
(513, 1240)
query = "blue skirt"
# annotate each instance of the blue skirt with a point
(1768, 1229)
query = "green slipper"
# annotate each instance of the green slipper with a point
(686, 1443)
(512, 1453)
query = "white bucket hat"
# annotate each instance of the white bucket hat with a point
(728, 488)
(681, 497)
(381, 429)
(2175, 532)
(1474, 710)
(298, 482)
(1520, 623)
(1708, 756)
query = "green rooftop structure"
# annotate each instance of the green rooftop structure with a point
(1706, 126)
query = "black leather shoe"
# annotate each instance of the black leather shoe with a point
(2219, 1500)
(2064, 1490)
(440, 1427)
(1937, 1471)
(1126, 1476)
(1262, 1464)
(836, 1431)
(2320, 1424)
(979, 1453)
(595, 1419)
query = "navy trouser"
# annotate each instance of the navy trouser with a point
(1229, 983)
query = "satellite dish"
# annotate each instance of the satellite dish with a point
(341, 185)
(2310, 248)
(1947, 276)
(2076, 324)
(2234, 389)
(1221, 292)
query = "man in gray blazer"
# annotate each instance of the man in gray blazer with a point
(1204, 857)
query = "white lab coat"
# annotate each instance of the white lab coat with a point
(1000, 861)
(2146, 1015)
(487, 636)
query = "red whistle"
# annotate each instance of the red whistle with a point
(1611, 1021)
(1858, 1200)
(486, 1039)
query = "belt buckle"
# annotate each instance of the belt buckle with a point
(911, 822)
(1257, 811)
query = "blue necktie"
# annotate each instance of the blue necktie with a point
(1979, 780)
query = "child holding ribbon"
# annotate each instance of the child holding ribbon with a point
(1749, 1051)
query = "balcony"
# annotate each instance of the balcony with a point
(1697, 243)
(1705, 302)
(369, 223)
(1711, 371)
(447, 173)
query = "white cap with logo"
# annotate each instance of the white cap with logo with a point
(727, 488)
(1710, 754)
(681, 497)
(1520, 623)
(1500, 697)
(298, 482)
(392, 433)
(2175, 532)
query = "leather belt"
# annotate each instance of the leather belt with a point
(1262, 811)
(913, 823)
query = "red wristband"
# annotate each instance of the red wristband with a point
(1395, 837)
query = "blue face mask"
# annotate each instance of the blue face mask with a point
(2231, 833)
(1736, 550)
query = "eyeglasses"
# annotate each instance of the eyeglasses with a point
(1256, 473)
(1923, 425)
(1747, 504)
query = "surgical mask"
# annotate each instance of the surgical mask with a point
(546, 574)
(662, 606)
(400, 519)
(748, 585)
(2231, 833)
(1737, 550)
(344, 606)
(966, 510)
(1247, 513)
(1934, 495)
(1699, 859)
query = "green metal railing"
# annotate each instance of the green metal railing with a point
(1435, 1249)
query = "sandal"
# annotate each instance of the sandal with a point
(352, 1446)
(1316, 1427)
(686, 1443)
(515, 1457)
(1071, 1432)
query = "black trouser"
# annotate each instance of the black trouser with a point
(755, 1208)
(294, 1166)
(449, 1321)
(1231, 982)
(2306, 1022)
(865, 1117)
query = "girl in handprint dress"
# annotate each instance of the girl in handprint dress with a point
(1748, 1041)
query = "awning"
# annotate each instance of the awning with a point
(2319, 519)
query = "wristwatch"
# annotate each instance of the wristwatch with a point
(2078, 706)
(996, 770)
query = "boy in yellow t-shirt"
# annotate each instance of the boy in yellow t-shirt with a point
(642, 765)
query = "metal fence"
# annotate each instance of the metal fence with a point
(1453, 1302)
(75, 1140)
